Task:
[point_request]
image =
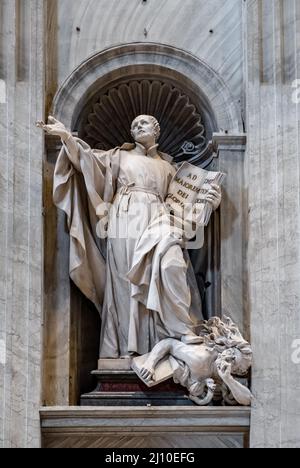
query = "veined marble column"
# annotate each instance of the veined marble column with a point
(233, 229)
(273, 169)
(21, 233)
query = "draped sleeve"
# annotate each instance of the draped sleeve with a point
(81, 189)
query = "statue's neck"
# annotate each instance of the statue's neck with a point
(149, 150)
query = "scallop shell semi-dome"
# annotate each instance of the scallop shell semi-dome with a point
(183, 134)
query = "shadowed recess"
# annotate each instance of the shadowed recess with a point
(183, 134)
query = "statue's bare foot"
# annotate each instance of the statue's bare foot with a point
(147, 372)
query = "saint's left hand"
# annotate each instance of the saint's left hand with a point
(214, 196)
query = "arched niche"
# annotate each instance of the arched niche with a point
(69, 335)
(148, 60)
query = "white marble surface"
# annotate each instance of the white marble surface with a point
(210, 30)
(114, 364)
(21, 271)
(160, 427)
(272, 174)
(209, 419)
(233, 229)
(2, 92)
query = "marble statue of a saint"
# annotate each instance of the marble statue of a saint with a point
(141, 284)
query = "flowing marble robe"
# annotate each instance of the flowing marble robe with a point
(140, 284)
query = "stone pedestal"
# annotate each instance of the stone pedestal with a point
(118, 385)
(114, 364)
(163, 427)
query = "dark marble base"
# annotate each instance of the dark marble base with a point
(124, 388)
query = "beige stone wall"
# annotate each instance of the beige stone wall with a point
(77, 30)
(273, 54)
(211, 30)
(21, 221)
(254, 46)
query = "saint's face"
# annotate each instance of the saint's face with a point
(143, 130)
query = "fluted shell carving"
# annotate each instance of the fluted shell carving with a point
(183, 134)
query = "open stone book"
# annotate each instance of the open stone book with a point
(187, 192)
(163, 371)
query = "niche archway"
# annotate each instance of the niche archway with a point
(179, 79)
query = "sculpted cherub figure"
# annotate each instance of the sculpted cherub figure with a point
(222, 355)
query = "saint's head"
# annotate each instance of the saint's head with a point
(145, 130)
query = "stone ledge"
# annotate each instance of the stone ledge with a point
(229, 142)
(143, 420)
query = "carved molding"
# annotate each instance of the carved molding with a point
(145, 427)
(144, 419)
(229, 142)
(149, 61)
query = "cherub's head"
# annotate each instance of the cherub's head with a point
(233, 358)
(145, 130)
(224, 337)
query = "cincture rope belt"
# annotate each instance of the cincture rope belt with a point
(127, 190)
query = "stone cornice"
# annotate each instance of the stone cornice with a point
(145, 419)
(229, 142)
